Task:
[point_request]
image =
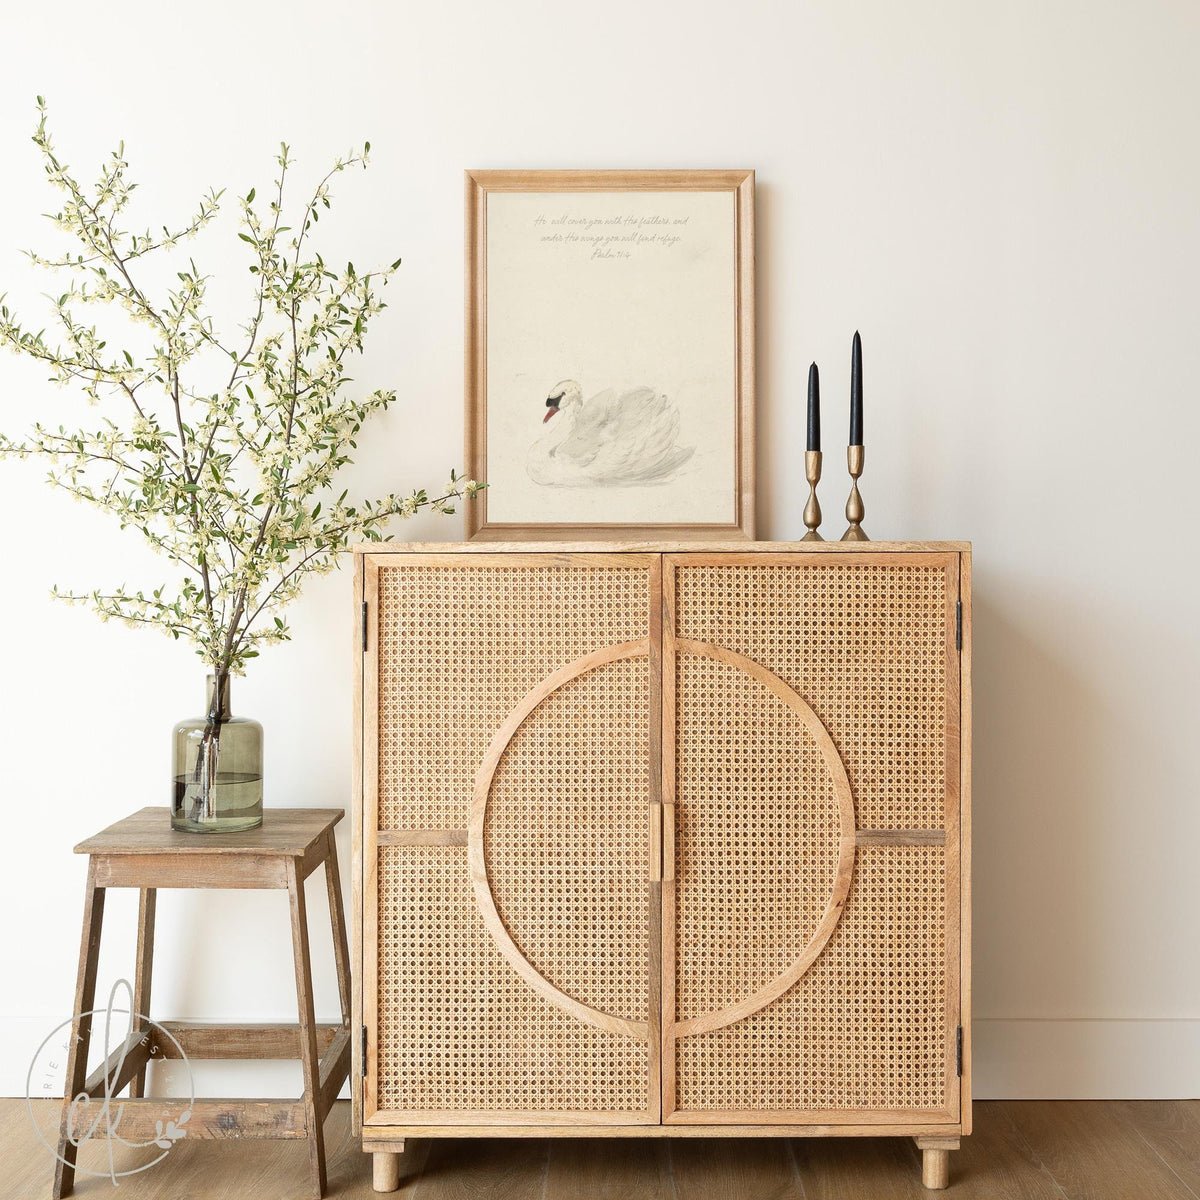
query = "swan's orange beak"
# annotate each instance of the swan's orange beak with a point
(549, 413)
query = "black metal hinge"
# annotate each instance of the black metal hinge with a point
(959, 1052)
(958, 624)
(364, 627)
(364, 1051)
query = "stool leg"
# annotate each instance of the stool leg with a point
(141, 977)
(81, 1030)
(337, 915)
(313, 1116)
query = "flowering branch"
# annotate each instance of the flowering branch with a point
(230, 479)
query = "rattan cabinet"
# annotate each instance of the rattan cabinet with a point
(663, 840)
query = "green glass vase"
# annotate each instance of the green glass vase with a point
(217, 772)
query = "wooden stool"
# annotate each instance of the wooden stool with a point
(144, 852)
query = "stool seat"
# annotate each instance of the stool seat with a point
(142, 851)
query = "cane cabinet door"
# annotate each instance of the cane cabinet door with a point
(811, 828)
(511, 713)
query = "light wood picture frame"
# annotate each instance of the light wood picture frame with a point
(610, 354)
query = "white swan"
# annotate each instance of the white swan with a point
(611, 441)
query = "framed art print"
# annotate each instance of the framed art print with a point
(610, 353)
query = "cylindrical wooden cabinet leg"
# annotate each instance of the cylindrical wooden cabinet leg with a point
(935, 1168)
(386, 1170)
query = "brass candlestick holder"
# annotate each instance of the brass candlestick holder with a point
(854, 503)
(812, 510)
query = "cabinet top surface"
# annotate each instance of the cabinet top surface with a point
(728, 546)
(285, 831)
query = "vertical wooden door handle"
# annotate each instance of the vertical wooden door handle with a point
(668, 842)
(655, 843)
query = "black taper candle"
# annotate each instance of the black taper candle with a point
(814, 408)
(856, 430)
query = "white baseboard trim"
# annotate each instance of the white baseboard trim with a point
(1081, 1059)
(1014, 1060)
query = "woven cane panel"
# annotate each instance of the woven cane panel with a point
(566, 838)
(458, 647)
(864, 1027)
(865, 646)
(458, 1029)
(757, 835)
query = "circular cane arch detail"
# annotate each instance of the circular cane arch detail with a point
(844, 872)
(477, 861)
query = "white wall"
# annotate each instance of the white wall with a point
(1001, 196)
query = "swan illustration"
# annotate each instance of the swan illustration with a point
(614, 440)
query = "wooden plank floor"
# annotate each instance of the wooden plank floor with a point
(1028, 1150)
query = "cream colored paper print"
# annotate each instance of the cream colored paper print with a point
(611, 360)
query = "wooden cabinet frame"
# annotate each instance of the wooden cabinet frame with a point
(937, 1130)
